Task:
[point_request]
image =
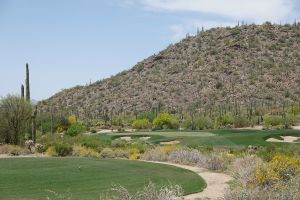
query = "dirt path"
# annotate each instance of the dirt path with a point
(23, 156)
(216, 182)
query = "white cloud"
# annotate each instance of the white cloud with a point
(251, 10)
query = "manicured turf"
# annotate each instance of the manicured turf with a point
(29, 178)
(223, 138)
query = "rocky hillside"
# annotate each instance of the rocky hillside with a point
(222, 65)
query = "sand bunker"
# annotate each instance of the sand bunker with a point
(128, 139)
(144, 138)
(171, 142)
(287, 139)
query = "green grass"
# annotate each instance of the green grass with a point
(29, 178)
(220, 138)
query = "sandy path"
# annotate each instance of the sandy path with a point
(216, 182)
(23, 156)
(251, 128)
(296, 127)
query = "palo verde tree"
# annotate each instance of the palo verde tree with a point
(14, 113)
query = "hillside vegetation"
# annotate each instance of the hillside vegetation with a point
(257, 64)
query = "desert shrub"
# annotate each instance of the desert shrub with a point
(134, 154)
(150, 192)
(84, 152)
(165, 121)
(241, 121)
(245, 169)
(289, 120)
(29, 144)
(225, 121)
(280, 168)
(63, 149)
(240, 193)
(294, 110)
(156, 154)
(140, 145)
(122, 153)
(288, 190)
(118, 121)
(203, 123)
(272, 121)
(93, 131)
(51, 151)
(107, 153)
(39, 148)
(72, 120)
(75, 129)
(184, 156)
(13, 150)
(141, 124)
(97, 145)
(147, 115)
(212, 162)
(208, 161)
(267, 153)
(119, 143)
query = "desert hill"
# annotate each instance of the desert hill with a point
(254, 63)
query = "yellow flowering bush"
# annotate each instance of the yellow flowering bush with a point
(72, 120)
(168, 149)
(85, 152)
(280, 168)
(134, 154)
(51, 151)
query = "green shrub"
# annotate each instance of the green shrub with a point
(225, 121)
(63, 149)
(13, 150)
(147, 115)
(141, 124)
(75, 129)
(119, 143)
(203, 123)
(97, 145)
(272, 121)
(240, 122)
(93, 131)
(165, 121)
(122, 153)
(84, 152)
(107, 153)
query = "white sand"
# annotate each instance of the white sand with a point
(170, 143)
(286, 139)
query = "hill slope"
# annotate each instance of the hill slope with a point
(246, 63)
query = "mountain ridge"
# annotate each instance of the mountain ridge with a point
(254, 63)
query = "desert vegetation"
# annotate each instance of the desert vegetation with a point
(215, 102)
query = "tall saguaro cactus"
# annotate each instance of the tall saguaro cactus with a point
(27, 83)
(33, 124)
(22, 91)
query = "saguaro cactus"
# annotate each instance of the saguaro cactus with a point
(22, 91)
(33, 122)
(27, 83)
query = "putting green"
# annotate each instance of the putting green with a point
(30, 178)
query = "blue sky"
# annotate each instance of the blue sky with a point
(70, 42)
